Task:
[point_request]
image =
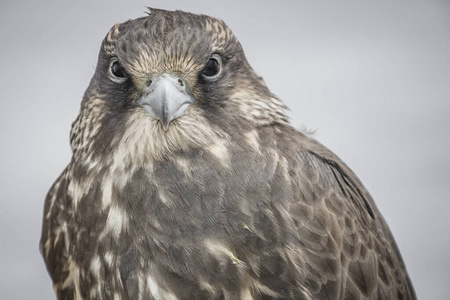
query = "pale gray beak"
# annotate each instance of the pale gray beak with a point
(166, 98)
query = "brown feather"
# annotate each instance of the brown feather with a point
(230, 202)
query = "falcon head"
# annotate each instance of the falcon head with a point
(168, 82)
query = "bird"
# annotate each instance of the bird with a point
(188, 181)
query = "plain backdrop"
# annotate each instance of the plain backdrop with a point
(372, 78)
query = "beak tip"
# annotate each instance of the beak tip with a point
(165, 125)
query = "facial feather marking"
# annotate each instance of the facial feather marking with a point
(113, 33)
(258, 109)
(144, 140)
(109, 43)
(150, 56)
(220, 32)
(84, 130)
(141, 68)
(90, 123)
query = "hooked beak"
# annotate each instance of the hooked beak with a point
(165, 98)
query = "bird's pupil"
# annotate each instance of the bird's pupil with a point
(118, 70)
(212, 68)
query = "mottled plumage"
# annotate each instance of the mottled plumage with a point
(214, 197)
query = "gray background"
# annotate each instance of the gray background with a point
(371, 77)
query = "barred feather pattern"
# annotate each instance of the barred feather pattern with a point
(230, 202)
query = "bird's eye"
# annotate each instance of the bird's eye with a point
(117, 70)
(213, 68)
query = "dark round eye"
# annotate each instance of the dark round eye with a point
(213, 67)
(117, 70)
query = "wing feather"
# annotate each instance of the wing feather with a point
(365, 259)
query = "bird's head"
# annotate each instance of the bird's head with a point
(168, 82)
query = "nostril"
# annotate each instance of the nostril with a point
(149, 82)
(180, 82)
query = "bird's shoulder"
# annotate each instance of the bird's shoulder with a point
(345, 239)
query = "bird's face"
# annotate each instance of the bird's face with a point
(171, 81)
